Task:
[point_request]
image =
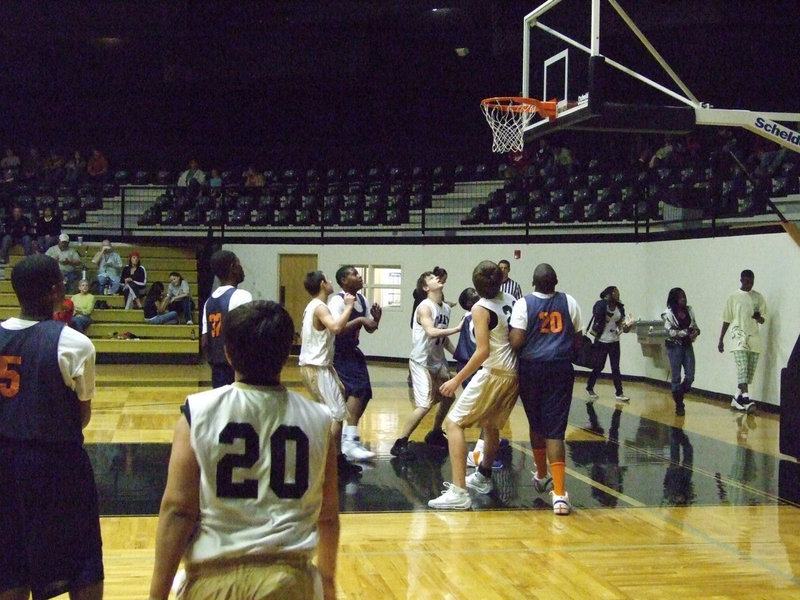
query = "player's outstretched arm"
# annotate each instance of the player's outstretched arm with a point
(180, 508)
(329, 526)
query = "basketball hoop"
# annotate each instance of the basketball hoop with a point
(508, 117)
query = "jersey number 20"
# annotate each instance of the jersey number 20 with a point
(279, 443)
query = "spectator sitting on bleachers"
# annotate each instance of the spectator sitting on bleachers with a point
(253, 178)
(69, 261)
(215, 183)
(31, 168)
(155, 304)
(179, 297)
(16, 230)
(10, 165)
(75, 169)
(48, 228)
(97, 167)
(109, 268)
(84, 305)
(54, 167)
(192, 180)
(663, 156)
(133, 281)
(563, 161)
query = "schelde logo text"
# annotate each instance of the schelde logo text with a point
(774, 129)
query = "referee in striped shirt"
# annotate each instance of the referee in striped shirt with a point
(509, 286)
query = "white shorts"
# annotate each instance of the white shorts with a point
(487, 399)
(324, 387)
(425, 383)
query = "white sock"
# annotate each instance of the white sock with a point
(350, 432)
(478, 446)
(746, 395)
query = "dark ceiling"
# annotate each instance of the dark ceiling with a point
(316, 81)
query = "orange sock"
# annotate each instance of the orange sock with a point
(557, 470)
(540, 459)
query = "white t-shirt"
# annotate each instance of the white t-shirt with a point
(76, 357)
(258, 493)
(238, 298)
(316, 346)
(738, 311)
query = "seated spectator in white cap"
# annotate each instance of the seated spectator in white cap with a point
(69, 261)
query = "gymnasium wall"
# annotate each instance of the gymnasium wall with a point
(708, 269)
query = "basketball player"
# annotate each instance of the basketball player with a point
(349, 361)
(49, 520)
(316, 356)
(226, 267)
(545, 328)
(427, 364)
(489, 396)
(251, 490)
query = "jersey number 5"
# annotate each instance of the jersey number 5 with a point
(9, 377)
(284, 438)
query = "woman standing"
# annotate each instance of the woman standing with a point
(608, 322)
(134, 281)
(682, 330)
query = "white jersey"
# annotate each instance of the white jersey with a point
(426, 350)
(262, 454)
(501, 354)
(316, 346)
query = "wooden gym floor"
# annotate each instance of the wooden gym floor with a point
(664, 507)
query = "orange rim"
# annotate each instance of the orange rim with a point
(518, 104)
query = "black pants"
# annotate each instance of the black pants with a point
(610, 350)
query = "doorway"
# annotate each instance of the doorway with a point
(291, 293)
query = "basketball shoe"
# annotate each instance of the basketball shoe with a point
(561, 505)
(479, 483)
(452, 498)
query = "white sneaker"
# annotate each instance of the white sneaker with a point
(561, 505)
(621, 398)
(452, 498)
(189, 322)
(478, 482)
(353, 450)
(541, 485)
(592, 395)
(743, 404)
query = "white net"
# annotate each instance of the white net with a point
(508, 118)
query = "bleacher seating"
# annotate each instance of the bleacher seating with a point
(112, 326)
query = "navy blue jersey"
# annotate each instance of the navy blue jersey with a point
(348, 339)
(214, 310)
(35, 403)
(465, 347)
(550, 334)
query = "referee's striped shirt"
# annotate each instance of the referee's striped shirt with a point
(509, 286)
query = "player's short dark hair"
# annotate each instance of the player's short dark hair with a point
(342, 272)
(32, 278)
(487, 279)
(258, 337)
(313, 282)
(467, 298)
(221, 263)
(421, 283)
(747, 273)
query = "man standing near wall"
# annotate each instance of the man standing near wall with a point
(744, 311)
(349, 361)
(509, 286)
